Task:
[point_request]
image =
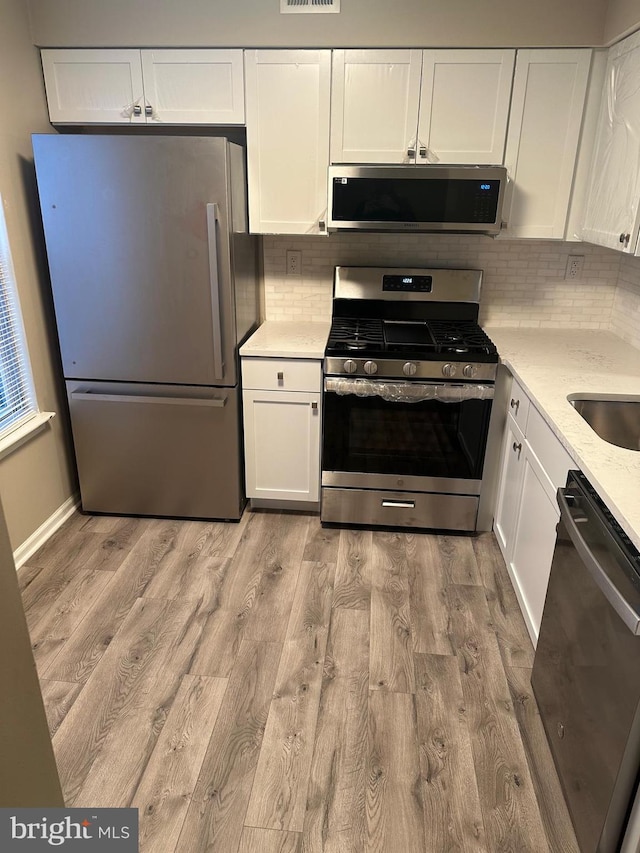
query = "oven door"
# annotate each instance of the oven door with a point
(414, 436)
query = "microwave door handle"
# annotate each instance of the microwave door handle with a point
(214, 280)
(623, 608)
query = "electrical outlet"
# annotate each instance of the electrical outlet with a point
(575, 264)
(294, 262)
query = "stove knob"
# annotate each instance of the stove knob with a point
(370, 367)
(469, 370)
(409, 369)
(448, 370)
(350, 366)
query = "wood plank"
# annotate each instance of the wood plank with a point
(280, 786)
(215, 817)
(280, 559)
(428, 602)
(58, 697)
(509, 809)
(391, 651)
(452, 814)
(55, 625)
(164, 793)
(108, 735)
(394, 792)
(458, 560)
(353, 570)
(254, 596)
(268, 841)
(322, 543)
(26, 575)
(553, 809)
(513, 638)
(348, 644)
(335, 818)
(89, 641)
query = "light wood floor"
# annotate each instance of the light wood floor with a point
(272, 686)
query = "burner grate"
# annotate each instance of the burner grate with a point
(355, 333)
(461, 337)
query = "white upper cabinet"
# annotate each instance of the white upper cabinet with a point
(544, 128)
(94, 86)
(148, 86)
(464, 105)
(420, 106)
(612, 214)
(374, 105)
(194, 86)
(287, 103)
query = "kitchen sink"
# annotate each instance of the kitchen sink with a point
(614, 417)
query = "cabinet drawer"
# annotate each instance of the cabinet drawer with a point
(552, 456)
(518, 405)
(282, 374)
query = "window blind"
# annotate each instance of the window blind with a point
(17, 398)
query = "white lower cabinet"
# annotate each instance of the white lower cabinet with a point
(282, 409)
(534, 465)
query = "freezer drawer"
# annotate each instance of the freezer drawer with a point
(157, 450)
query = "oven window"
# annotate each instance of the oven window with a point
(432, 439)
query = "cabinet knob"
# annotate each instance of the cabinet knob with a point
(423, 151)
(624, 239)
(137, 110)
(148, 110)
(280, 376)
(322, 225)
(411, 152)
(314, 406)
(517, 447)
(515, 405)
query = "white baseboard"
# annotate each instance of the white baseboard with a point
(46, 529)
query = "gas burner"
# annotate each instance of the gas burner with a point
(356, 344)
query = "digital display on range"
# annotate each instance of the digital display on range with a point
(408, 283)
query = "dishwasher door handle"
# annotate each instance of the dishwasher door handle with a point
(629, 614)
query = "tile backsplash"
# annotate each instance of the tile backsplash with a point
(523, 284)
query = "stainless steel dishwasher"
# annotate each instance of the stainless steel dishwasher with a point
(586, 672)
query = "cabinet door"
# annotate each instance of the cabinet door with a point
(510, 488)
(534, 541)
(288, 96)
(374, 105)
(194, 86)
(546, 114)
(464, 105)
(94, 86)
(282, 445)
(611, 211)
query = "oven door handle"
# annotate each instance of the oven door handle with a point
(408, 392)
(629, 614)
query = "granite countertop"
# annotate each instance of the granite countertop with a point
(283, 339)
(551, 363)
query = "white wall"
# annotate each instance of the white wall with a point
(623, 17)
(37, 478)
(361, 23)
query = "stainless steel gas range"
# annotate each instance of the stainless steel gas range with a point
(409, 381)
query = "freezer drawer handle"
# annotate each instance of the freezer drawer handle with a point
(214, 278)
(400, 504)
(213, 402)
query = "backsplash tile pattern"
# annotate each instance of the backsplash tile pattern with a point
(523, 283)
(625, 317)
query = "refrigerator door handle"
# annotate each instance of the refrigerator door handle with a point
(214, 278)
(212, 402)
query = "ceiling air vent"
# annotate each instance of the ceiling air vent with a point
(309, 6)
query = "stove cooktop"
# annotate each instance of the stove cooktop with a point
(431, 340)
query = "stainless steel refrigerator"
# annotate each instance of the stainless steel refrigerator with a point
(154, 284)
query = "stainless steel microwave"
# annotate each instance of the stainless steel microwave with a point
(416, 198)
